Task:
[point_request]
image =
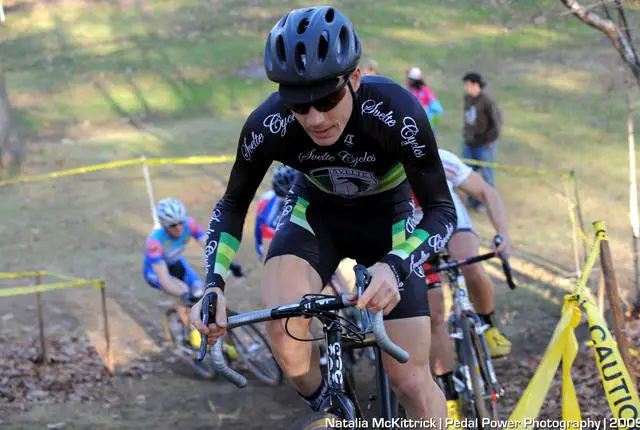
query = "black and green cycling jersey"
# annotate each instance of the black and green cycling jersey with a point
(386, 143)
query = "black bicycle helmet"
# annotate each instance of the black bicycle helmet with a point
(283, 178)
(308, 50)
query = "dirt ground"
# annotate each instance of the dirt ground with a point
(101, 235)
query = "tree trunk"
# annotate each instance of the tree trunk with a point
(633, 196)
(11, 139)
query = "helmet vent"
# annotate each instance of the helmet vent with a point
(303, 25)
(343, 44)
(280, 51)
(329, 15)
(323, 46)
(301, 57)
(283, 21)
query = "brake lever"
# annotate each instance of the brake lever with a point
(207, 314)
(363, 278)
(506, 267)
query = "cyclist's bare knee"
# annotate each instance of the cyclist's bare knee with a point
(286, 279)
(463, 244)
(408, 379)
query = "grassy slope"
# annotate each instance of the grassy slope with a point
(176, 64)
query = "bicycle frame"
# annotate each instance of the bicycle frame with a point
(462, 308)
(338, 399)
(462, 312)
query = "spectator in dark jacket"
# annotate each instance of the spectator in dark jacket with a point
(482, 123)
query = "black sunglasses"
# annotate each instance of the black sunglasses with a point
(173, 225)
(324, 104)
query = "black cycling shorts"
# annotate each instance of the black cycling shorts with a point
(323, 229)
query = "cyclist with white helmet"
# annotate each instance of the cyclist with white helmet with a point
(165, 268)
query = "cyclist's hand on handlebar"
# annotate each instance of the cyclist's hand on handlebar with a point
(382, 294)
(214, 330)
(505, 244)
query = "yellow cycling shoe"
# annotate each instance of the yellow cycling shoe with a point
(499, 346)
(454, 414)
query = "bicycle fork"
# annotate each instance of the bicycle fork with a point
(338, 401)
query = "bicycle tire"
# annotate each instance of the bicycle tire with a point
(266, 369)
(317, 421)
(479, 407)
(203, 369)
(478, 341)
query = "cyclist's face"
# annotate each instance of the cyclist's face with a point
(325, 128)
(175, 230)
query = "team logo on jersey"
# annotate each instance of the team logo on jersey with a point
(348, 140)
(248, 148)
(313, 155)
(345, 181)
(371, 107)
(278, 125)
(354, 160)
(408, 133)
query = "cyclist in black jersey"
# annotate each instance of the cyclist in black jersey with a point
(360, 143)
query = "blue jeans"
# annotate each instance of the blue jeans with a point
(481, 153)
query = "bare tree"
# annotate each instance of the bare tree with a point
(620, 35)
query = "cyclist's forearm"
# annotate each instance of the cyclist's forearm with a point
(223, 240)
(496, 210)
(166, 281)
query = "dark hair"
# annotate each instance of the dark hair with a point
(416, 83)
(474, 77)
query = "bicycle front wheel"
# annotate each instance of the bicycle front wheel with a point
(253, 349)
(478, 407)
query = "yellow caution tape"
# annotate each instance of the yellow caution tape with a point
(192, 160)
(562, 345)
(591, 261)
(69, 172)
(116, 164)
(570, 406)
(73, 282)
(15, 275)
(618, 386)
(519, 169)
(229, 158)
(17, 291)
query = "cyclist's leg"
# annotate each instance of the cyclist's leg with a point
(300, 260)
(343, 279)
(175, 287)
(192, 279)
(464, 244)
(412, 381)
(442, 361)
(409, 320)
(286, 279)
(442, 358)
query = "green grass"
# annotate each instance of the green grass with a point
(175, 64)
